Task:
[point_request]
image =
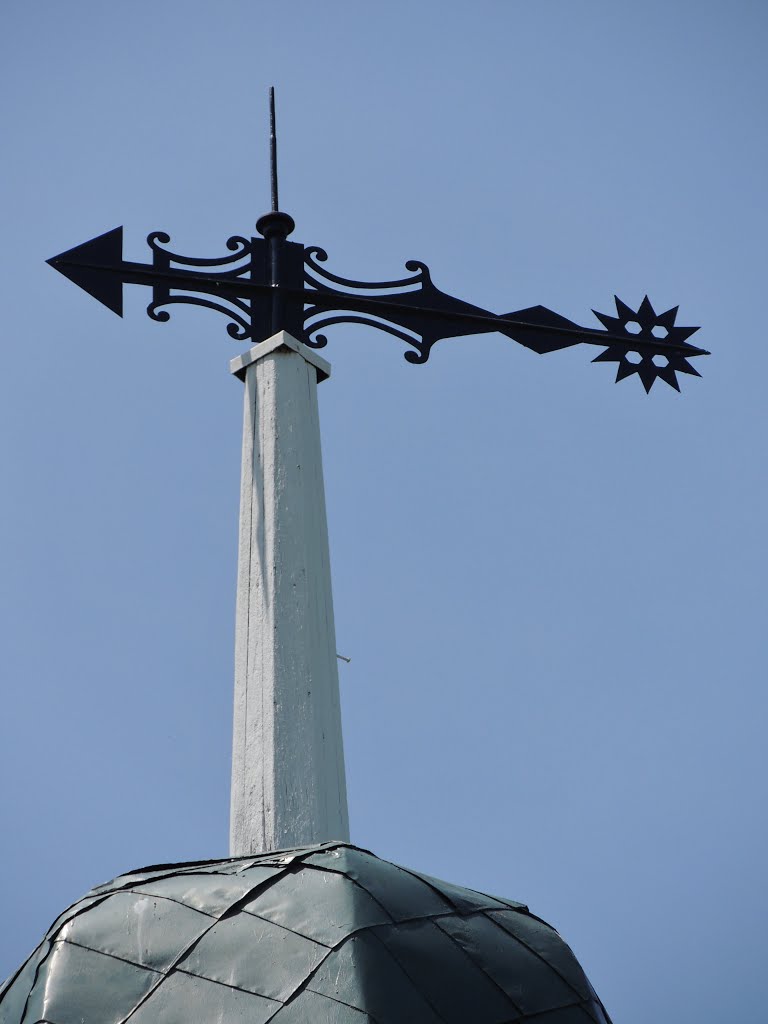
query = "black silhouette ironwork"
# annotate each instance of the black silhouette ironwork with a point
(269, 284)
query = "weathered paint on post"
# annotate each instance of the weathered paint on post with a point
(288, 784)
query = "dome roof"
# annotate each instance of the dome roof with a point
(328, 934)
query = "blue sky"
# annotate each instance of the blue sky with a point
(551, 587)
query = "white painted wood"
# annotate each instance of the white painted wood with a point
(288, 784)
(281, 340)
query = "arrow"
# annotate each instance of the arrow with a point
(98, 267)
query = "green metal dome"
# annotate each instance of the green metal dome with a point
(328, 934)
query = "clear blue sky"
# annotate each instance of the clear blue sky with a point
(552, 588)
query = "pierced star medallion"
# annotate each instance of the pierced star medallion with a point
(645, 353)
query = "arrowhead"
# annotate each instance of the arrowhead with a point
(95, 267)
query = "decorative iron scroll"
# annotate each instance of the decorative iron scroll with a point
(421, 315)
(237, 310)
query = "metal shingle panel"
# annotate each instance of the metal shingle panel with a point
(148, 931)
(184, 999)
(545, 941)
(246, 952)
(447, 978)
(81, 986)
(399, 891)
(210, 893)
(363, 974)
(466, 900)
(13, 995)
(320, 905)
(311, 1008)
(528, 979)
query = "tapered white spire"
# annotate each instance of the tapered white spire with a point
(288, 784)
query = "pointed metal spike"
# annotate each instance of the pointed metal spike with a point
(646, 314)
(683, 366)
(273, 150)
(647, 374)
(623, 310)
(613, 354)
(681, 334)
(667, 319)
(611, 323)
(626, 370)
(667, 374)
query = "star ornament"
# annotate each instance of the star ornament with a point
(655, 347)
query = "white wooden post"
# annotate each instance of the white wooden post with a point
(288, 784)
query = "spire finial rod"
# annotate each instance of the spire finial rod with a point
(273, 149)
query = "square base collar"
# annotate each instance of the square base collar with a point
(281, 340)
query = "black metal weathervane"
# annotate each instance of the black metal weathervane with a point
(268, 284)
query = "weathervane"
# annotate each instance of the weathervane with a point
(268, 284)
